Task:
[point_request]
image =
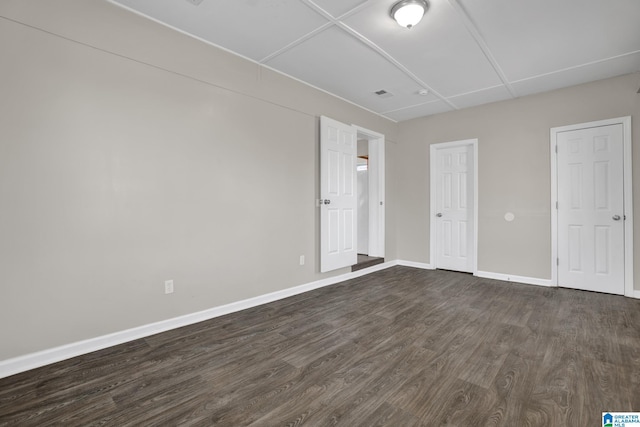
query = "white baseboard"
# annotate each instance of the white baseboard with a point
(531, 281)
(517, 279)
(414, 264)
(487, 274)
(30, 361)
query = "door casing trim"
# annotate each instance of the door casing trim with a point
(628, 196)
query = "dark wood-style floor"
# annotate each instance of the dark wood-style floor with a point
(400, 347)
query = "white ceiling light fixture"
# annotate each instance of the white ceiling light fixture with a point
(408, 13)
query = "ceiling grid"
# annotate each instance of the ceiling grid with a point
(464, 52)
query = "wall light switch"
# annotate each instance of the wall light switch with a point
(301, 259)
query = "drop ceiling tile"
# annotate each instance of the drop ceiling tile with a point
(588, 73)
(439, 50)
(344, 66)
(252, 28)
(421, 110)
(338, 7)
(538, 37)
(485, 96)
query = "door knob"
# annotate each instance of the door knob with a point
(327, 201)
(616, 217)
(439, 215)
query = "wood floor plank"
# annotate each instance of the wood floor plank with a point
(512, 386)
(387, 415)
(399, 347)
(387, 374)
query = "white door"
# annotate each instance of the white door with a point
(454, 204)
(338, 197)
(591, 209)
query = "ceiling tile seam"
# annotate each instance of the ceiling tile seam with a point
(332, 21)
(325, 14)
(411, 106)
(319, 10)
(575, 67)
(394, 62)
(295, 43)
(438, 100)
(482, 43)
(476, 91)
(356, 9)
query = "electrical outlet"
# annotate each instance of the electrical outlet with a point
(168, 286)
(301, 259)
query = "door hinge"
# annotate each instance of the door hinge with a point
(556, 148)
(557, 261)
(556, 205)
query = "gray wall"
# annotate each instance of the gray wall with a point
(131, 154)
(514, 171)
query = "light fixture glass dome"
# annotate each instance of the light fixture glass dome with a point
(408, 13)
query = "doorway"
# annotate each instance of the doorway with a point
(338, 188)
(592, 218)
(362, 183)
(373, 145)
(367, 256)
(454, 205)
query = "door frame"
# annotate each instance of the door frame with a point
(376, 169)
(433, 148)
(627, 194)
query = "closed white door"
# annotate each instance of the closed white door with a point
(591, 209)
(338, 197)
(454, 223)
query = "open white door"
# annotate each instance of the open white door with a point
(338, 197)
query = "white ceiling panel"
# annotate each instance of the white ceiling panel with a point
(440, 50)
(537, 37)
(338, 8)
(251, 28)
(574, 76)
(419, 111)
(346, 67)
(494, 94)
